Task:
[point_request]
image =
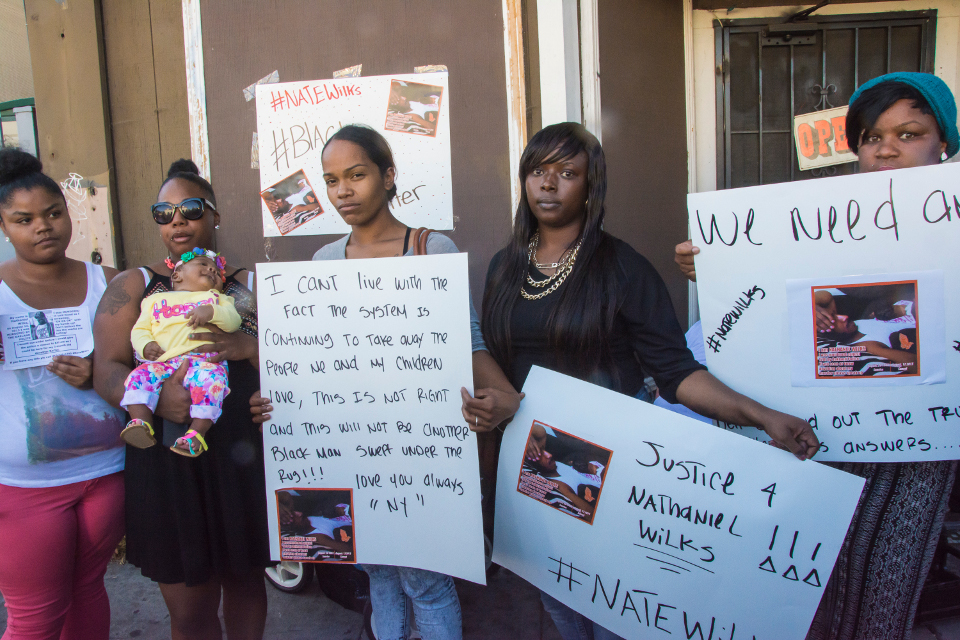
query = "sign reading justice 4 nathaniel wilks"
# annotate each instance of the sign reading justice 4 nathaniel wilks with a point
(658, 526)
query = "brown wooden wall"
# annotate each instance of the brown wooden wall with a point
(714, 5)
(644, 131)
(147, 82)
(72, 114)
(305, 40)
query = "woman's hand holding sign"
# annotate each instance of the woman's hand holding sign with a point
(708, 396)
(75, 371)
(683, 255)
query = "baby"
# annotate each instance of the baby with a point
(161, 338)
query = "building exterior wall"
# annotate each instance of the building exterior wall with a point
(703, 152)
(16, 75)
(642, 97)
(305, 40)
(147, 85)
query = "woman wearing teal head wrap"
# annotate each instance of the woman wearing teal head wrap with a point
(902, 120)
(896, 121)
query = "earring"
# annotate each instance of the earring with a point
(216, 226)
(7, 238)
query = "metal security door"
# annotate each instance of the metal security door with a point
(771, 72)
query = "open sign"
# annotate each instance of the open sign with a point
(821, 139)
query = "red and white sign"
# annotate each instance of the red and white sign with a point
(821, 139)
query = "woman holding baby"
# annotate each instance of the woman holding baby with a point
(195, 523)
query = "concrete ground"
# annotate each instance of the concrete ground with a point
(507, 608)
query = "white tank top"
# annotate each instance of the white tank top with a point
(52, 434)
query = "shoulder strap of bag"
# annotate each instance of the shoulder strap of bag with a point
(420, 241)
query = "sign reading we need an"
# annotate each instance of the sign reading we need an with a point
(837, 300)
(653, 524)
(296, 119)
(821, 139)
(367, 455)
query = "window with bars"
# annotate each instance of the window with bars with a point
(771, 72)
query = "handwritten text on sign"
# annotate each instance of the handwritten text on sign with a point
(836, 300)
(363, 361)
(694, 533)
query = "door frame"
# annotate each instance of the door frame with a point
(702, 85)
(724, 28)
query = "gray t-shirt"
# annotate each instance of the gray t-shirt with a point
(436, 243)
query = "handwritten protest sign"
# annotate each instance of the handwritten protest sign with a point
(368, 458)
(295, 120)
(31, 339)
(837, 300)
(651, 523)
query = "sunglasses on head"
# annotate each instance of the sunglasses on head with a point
(191, 209)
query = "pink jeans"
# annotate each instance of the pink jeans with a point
(55, 543)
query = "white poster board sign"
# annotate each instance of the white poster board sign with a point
(870, 253)
(295, 120)
(821, 139)
(677, 527)
(32, 338)
(367, 455)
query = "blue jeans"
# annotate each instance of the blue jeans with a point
(572, 625)
(435, 602)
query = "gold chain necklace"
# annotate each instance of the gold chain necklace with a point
(564, 268)
(560, 264)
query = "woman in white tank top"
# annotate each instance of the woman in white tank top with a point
(61, 458)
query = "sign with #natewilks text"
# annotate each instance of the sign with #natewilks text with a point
(295, 120)
(367, 456)
(656, 525)
(837, 300)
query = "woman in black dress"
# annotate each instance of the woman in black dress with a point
(568, 296)
(196, 526)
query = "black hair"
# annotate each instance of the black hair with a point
(580, 460)
(881, 309)
(373, 144)
(184, 169)
(580, 324)
(870, 105)
(20, 170)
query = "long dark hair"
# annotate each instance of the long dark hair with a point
(579, 326)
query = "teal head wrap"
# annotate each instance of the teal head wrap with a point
(937, 94)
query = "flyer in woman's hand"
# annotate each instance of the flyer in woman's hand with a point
(32, 338)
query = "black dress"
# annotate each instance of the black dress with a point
(193, 519)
